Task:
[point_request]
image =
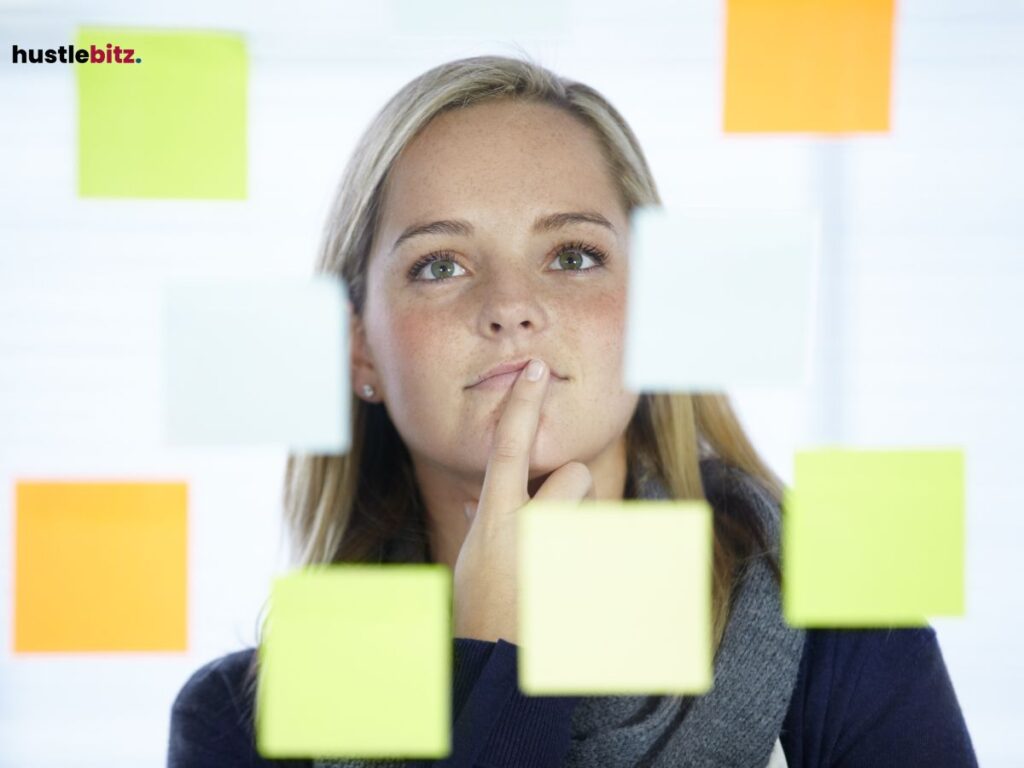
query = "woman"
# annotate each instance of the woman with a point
(483, 223)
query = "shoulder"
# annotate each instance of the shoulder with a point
(212, 717)
(876, 697)
(218, 687)
(853, 652)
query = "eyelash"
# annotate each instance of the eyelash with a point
(599, 257)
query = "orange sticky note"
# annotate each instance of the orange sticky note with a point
(100, 566)
(808, 65)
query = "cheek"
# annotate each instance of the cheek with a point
(425, 355)
(419, 369)
(410, 334)
(600, 328)
(419, 345)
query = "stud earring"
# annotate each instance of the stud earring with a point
(367, 390)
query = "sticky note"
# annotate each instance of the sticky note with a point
(100, 566)
(356, 662)
(873, 538)
(171, 123)
(821, 66)
(717, 301)
(257, 362)
(615, 598)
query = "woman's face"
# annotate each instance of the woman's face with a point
(501, 289)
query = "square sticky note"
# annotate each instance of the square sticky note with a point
(100, 566)
(717, 301)
(873, 538)
(821, 66)
(169, 121)
(257, 361)
(615, 598)
(356, 662)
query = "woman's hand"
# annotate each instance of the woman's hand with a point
(484, 579)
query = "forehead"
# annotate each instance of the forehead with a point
(499, 154)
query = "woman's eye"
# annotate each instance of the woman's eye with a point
(577, 255)
(437, 267)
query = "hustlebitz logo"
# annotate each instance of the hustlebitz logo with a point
(68, 54)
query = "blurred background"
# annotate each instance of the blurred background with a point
(919, 297)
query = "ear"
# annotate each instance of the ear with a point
(361, 364)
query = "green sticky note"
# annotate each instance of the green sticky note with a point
(171, 123)
(873, 538)
(356, 662)
(615, 598)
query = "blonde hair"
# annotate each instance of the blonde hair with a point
(365, 506)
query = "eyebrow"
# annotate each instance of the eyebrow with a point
(463, 228)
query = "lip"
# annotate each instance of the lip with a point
(510, 367)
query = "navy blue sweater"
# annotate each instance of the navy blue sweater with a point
(862, 698)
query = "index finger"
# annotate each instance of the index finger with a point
(508, 467)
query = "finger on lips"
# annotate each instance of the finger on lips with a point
(508, 467)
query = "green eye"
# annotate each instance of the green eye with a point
(570, 258)
(574, 262)
(442, 269)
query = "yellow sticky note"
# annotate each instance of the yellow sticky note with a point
(873, 538)
(356, 662)
(808, 65)
(100, 566)
(169, 124)
(615, 598)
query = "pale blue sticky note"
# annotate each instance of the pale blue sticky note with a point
(717, 300)
(257, 361)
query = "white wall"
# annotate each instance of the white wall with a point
(919, 339)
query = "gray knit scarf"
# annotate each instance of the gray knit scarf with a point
(738, 721)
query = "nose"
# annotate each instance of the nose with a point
(511, 310)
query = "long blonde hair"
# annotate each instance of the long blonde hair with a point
(365, 506)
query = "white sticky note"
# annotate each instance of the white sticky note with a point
(718, 301)
(615, 598)
(257, 361)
